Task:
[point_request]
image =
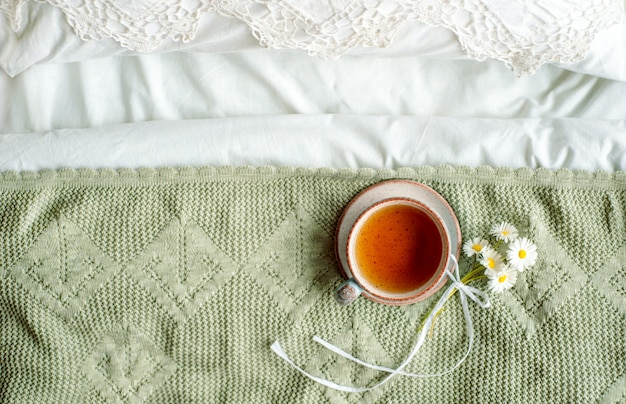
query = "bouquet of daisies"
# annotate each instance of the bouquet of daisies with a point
(500, 257)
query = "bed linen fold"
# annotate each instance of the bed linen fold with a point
(326, 141)
(183, 86)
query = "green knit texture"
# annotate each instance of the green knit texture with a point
(170, 285)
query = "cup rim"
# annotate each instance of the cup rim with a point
(432, 286)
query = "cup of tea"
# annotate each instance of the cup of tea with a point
(397, 253)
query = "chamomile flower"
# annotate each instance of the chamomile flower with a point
(491, 259)
(502, 280)
(504, 231)
(474, 246)
(522, 254)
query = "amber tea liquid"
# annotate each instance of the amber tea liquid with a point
(398, 249)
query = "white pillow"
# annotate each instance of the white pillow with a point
(44, 35)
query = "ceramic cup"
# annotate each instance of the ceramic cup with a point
(397, 253)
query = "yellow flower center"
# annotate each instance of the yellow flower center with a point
(477, 247)
(521, 254)
(505, 232)
(491, 263)
(501, 278)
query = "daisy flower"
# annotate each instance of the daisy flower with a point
(491, 259)
(522, 254)
(474, 246)
(504, 231)
(502, 280)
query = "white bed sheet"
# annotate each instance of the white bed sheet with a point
(286, 108)
(338, 141)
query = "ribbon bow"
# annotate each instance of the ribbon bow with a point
(465, 292)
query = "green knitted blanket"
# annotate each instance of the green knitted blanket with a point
(170, 286)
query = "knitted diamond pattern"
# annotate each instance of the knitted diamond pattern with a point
(170, 285)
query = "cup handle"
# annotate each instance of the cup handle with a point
(347, 292)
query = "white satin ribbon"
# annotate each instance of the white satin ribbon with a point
(465, 292)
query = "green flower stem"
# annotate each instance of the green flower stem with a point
(475, 274)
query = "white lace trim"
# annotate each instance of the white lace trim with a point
(524, 34)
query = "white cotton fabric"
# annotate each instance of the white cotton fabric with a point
(286, 108)
(325, 141)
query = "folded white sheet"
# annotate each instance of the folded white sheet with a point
(286, 108)
(181, 86)
(338, 141)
